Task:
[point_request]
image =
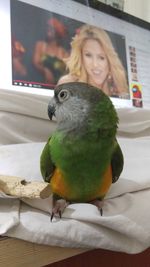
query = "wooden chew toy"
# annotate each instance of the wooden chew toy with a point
(17, 187)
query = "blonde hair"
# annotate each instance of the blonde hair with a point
(74, 62)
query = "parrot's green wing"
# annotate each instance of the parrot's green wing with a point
(46, 165)
(116, 162)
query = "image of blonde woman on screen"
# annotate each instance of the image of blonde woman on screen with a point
(94, 60)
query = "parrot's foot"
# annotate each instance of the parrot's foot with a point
(59, 207)
(99, 204)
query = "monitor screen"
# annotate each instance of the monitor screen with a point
(43, 34)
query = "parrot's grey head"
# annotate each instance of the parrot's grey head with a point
(73, 103)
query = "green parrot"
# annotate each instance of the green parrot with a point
(82, 158)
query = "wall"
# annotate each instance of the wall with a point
(138, 8)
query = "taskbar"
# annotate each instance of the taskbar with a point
(33, 84)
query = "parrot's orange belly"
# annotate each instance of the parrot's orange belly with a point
(106, 182)
(59, 186)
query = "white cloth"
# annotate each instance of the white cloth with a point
(124, 225)
(9, 214)
(20, 111)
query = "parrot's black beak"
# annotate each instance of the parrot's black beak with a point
(51, 111)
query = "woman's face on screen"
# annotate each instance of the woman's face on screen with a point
(95, 62)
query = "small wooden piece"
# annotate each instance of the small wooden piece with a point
(17, 187)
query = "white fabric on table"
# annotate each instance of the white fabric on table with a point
(23, 118)
(9, 214)
(123, 227)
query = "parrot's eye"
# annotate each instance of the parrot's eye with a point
(63, 95)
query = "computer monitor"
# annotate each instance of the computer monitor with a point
(30, 64)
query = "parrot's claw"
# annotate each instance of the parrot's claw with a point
(59, 207)
(99, 204)
(101, 212)
(52, 215)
